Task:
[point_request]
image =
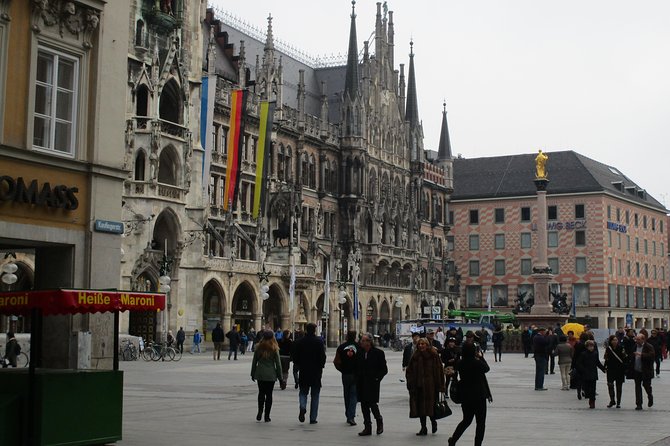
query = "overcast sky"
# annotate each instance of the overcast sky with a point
(517, 75)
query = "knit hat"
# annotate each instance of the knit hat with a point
(267, 334)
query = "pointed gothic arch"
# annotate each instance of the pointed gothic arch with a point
(140, 165)
(171, 102)
(169, 166)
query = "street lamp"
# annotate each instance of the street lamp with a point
(8, 271)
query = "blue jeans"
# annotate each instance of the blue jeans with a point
(315, 389)
(350, 397)
(540, 367)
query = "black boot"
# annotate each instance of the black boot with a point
(367, 430)
(380, 425)
(423, 431)
(433, 425)
(268, 406)
(259, 415)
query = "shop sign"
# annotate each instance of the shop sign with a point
(111, 227)
(59, 197)
(616, 227)
(562, 225)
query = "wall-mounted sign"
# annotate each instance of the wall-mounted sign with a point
(59, 197)
(111, 227)
(562, 225)
(617, 227)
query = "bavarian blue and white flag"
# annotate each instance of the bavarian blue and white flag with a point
(326, 292)
(355, 298)
(291, 289)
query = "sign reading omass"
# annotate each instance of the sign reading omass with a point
(79, 301)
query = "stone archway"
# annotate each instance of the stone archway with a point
(384, 318)
(244, 305)
(372, 317)
(273, 314)
(213, 306)
(144, 323)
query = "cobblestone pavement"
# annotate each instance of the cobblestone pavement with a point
(198, 401)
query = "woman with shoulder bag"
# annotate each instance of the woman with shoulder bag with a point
(266, 369)
(474, 392)
(616, 362)
(425, 381)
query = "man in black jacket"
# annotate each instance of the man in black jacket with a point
(234, 342)
(217, 339)
(370, 370)
(540, 348)
(409, 351)
(345, 363)
(641, 367)
(309, 354)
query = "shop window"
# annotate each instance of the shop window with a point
(582, 296)
(473, 295)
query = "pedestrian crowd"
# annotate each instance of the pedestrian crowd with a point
(627, 355)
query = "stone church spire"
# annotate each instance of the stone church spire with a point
(412, 109)
(268, 74)
(444, 148)
(351, 80)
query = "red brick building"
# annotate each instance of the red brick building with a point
(607, 238)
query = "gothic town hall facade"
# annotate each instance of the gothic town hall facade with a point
(351, 193)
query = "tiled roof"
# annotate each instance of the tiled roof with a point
(567, 171)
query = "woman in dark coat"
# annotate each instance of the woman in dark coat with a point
(425, 379)
(370, 370)
(576, 379)
(497, 338)
(616, 362)
(588, 364)
(474, 388)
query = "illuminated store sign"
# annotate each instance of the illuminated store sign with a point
(59, 197)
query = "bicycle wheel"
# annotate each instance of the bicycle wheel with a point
(156, 354)
(124, 354)
(133, 353)
(22, 360)
(147, 353)
(170, 353)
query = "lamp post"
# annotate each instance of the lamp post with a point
(265, 288)
(164, 286)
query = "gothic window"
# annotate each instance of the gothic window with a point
(171, 103)
(304, 170)
(140, 165)
(139, 34)
(288, 167)
(168, 166)
(312, 172)
(326, 176)
(142, 101)
(333, 179)
(280, 163)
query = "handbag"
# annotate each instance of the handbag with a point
(441, 409)
(455, 392)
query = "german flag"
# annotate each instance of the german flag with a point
(262, 155)
(238, 111)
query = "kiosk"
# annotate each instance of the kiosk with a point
(40, 406)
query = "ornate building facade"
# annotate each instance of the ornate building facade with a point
(349, 187)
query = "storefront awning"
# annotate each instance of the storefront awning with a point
(79, 301)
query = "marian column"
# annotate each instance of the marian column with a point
(542, 274)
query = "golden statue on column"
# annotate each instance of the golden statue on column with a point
(541, 165)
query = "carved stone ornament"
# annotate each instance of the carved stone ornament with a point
(65, 17)
(4, 10)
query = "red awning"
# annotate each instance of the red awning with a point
(79, 301)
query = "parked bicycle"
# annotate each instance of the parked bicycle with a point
(128, 351)
(155, 351)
